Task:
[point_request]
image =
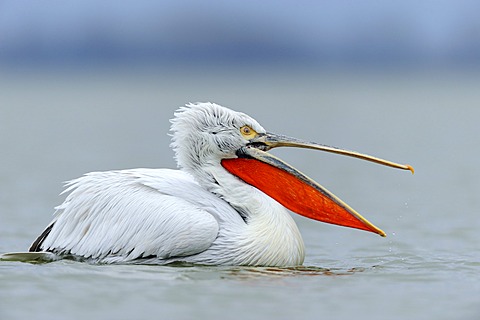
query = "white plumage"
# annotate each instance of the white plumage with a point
(162, 215)
(203, 213)
(156, 216)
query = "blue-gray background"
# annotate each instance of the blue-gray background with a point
(90, 86)
(240, 33)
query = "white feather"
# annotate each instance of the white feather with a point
(193, 214)
(118, 216)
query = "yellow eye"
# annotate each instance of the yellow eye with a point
(247, 132)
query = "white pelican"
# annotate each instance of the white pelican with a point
(227, 205)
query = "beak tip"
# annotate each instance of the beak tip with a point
(409, 167)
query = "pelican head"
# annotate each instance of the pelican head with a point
(207, 135)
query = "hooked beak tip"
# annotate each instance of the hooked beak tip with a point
(410, 168)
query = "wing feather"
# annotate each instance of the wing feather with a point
(119, 216)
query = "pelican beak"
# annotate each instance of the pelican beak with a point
(272, 140)
(293, 189)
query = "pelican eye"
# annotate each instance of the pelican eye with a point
(248, 133)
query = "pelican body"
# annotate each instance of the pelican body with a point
(226, 205)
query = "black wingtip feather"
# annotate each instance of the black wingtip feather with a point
(36, 245)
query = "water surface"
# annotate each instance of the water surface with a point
(55, 127)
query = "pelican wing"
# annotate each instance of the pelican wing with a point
(121, 216)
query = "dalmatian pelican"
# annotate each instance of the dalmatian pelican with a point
(227, 204)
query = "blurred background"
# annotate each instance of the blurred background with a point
(90, 85)
(236, 34)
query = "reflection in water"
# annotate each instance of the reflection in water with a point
(182, 269)
(255, 272)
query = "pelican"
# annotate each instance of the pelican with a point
(226, 205)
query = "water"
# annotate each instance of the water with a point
(54, 127)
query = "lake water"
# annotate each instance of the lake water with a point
(55, 127)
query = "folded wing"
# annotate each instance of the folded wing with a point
(121, 216)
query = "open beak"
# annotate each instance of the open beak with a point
(293, 189)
